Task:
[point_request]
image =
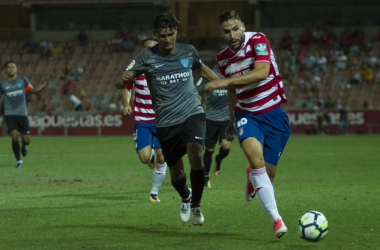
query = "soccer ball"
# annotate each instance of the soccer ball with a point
(312, 226)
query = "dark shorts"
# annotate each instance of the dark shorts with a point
(18, 122)
(215, 130)
(271, 128)
(174, 139)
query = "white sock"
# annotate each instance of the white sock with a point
(158, 177)
(20, 161)
(264, 189)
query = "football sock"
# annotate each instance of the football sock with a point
(222, 154)
(16, 150)
(158, 177)
(197, 179)
(182, 188)
(207, 160)
(264, 189)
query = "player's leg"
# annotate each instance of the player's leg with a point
(12, 128)
(210, 141)
(143, 143)
(224, 149)
(193, 132)
(173, 151)
(159, 171)
(260, 180)
(23, 125)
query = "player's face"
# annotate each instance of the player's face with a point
(166, 39)
(233, 33)
(11, 69)
(149, 44)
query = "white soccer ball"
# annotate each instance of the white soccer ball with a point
(312, 226)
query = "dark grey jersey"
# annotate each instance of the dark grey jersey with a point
(217, 108)
(170, 81)
(14, 95)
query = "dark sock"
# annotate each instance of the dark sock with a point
(16, 149)
(222, 154)
(182, 188)
(207, 160)
(197, 179)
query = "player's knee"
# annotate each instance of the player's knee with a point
(26, 141)
(257, 162)
(144, 159)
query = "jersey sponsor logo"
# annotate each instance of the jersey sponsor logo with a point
(185, 62)
(15, 93)
(261, 49)
(173, 78)
(131, 65)
(197, 137)
(19, 84)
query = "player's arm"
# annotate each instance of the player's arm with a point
(31, 89)
(124, 79)
(127, 98)
(258, 73)
(206, 73)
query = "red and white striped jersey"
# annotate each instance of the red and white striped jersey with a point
(257, 97)
(142, 103)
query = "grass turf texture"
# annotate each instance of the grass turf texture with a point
(93, 193)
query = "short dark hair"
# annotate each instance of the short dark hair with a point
(227, 15)
(6, 64)
(164, 21)
(150, 38)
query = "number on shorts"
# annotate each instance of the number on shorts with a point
(242, 122)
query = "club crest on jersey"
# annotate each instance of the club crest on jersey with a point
(261, 49)
(185, 62)
(131, 65)
(19, 85)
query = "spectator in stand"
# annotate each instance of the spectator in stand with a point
(344, 124)
(69, 86)
(308, 104)
(327, 38)
(330, 103)
(317, 34)
(46, 46)
(303, 82)
(76, 72)
(346, 40)
(341, 61)
(56, 51)
(128, 43)
(376, 38)
(320, 63)
(77, 103)
(377, 78)
(322, 122)
(367, 74)
(356, 77)
(358, 37)
(117, 41)
(287, 77)
(315, 83)
(290, 61)
(286, 41)
(65, 72)
(82, 38)
(308, 62)
(306, 38)
(29, 47)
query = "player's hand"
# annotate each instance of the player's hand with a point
(214, 84)
(127, 110)
(230, 132)
(127, 76)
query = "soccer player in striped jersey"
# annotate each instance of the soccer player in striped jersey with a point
(15, 112)
(255, 93)
(145, 135)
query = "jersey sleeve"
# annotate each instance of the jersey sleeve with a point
(130, 85)
(197, 62)
(260, 48)
(28, 86)
(200, 85)
(138, 65)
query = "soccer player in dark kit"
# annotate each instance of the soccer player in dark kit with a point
(180, 119)
(15, 113)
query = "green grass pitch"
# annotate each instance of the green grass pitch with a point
(93, 193)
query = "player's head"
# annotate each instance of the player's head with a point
(149, 42)
(165, 29)
(232, 29)
(11, 68)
